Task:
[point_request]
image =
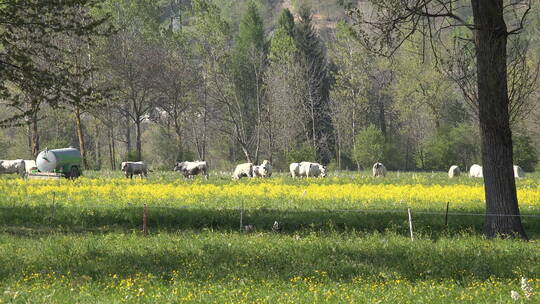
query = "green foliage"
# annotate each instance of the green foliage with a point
(369, 147)
(312, 58)
(286, 21)
(249, 60)
(450, 146)
(33, 62)
(304, 152)
(525, 154)
(131, 156)
(420, 85)
(56, 143)
(251, 32)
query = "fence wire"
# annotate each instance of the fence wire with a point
(287, 210)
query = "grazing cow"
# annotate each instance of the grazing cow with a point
(454, 172)
(30, 165)
(263, 170)
(13, 166)
(294, 168)
(476, 171)
(379, 170)
(190, 169)
(131, 168)
(518, 172)
(308, 169)
(243, 170)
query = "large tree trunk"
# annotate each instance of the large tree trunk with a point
(502, 211)
(80, 135)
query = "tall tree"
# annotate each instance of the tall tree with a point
(30, 48)
(229, 108)
(312, 57)
(286, 121)
(133, 57)
(249, 59)
(394, 23)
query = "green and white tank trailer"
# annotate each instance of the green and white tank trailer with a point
(56, 163)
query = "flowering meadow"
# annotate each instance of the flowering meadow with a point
(343, 239)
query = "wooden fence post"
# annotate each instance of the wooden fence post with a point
(145, 215)
(410, 223)
(241, 215)
(446, 216)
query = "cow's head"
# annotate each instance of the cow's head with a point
(124, 166)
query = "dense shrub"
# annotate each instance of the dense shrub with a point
(369, 147)
(525, 154)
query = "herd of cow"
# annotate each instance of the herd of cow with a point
(476, 171)
(192, 168)
(303, 169)
(189, 169)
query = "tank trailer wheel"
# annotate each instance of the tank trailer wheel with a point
(74, 172)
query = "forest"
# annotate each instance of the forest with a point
(236, 81)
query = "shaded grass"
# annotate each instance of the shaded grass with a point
(239, 267)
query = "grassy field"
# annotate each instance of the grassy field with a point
(343, 239)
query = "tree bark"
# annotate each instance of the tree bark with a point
(112, 152)
(35, 135)
(128, 135)
(98, 147)
(80, 135)
(138, 139)
(502, 210)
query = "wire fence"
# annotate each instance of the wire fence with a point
(284, 210)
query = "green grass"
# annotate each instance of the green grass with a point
(263, 267)
(59, 253)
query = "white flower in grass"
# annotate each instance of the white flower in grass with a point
(527, 289)
(514, 295)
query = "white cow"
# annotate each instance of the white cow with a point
(294, 168)
(476, 171)
(518, 172)
(13, 166)
(263, 170)
(309, 169)
(190, 169)
(243, 170)
(30, 165)
(379, 170)
(131, 168)
(454, 171)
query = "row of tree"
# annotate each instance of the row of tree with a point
(406, 83)
(172, 80)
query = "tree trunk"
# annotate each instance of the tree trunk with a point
(35, 136)
(112, 153)
(502, 211)
(138, 139)
(382, 118)
(29, 136)
(128, 135)
(98, 147)
(80, 135)
(248, 156)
